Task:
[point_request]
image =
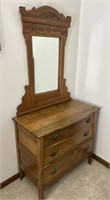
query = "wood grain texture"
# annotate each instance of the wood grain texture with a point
(40, 169)
(48, 22)
(28, 142)
(29, 161)
(26, 132)
(45, 15)
(53, 132)
(29, 174)
(62, 136)
(94, 131)
(58, 167)
(69, 131)
(59, 149)
(21, 174)
(54, 118)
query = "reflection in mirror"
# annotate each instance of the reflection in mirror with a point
(46, 57)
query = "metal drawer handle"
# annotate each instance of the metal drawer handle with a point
(86, 133)
(86, 149)
(54, 153)
(54, 170)
(88, 120)
(55, 136)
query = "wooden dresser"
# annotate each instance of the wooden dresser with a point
(53, 132)
(54, 140)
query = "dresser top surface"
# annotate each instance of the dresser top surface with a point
(45, 121)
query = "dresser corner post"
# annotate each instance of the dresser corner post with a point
(90, 157)
(95, 122)
(40, 169)
(21, 173)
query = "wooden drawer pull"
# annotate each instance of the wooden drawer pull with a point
(86, 133)
(55, 136)
(54, 170)
(54, 153)
(88, 120)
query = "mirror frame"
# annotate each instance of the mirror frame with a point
(48, 22)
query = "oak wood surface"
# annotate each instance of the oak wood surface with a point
(29, 161)
(53, 132)
(40, 169)
(59, 166)
(61, 135)
(29, 174)
(48, 22)
(57, 150)
(18, 152)
(69, 131)
(53, 118)
(26, 132)
(28, 142)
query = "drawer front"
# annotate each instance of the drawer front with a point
(67, 132)
(61, 148)
(56, 169)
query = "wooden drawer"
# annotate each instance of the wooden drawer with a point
(60, 166)
(67, 132)
(63, 147)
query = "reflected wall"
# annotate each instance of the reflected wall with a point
(46, 56)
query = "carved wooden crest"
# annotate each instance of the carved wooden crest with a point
(45, 13)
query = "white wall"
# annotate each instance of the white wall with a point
(92, 66)
(109, 79)
(0, 112)
(14, 69)
(0, 99)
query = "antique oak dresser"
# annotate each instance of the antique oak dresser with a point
(54, 133)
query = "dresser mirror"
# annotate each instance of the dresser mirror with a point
(46, 61)
(45, 31)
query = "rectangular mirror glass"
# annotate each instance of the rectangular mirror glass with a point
(46, 57)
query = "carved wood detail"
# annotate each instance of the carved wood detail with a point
(44, 21)
(26, 101)
(44, 12)
(37, 28)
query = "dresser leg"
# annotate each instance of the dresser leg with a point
(41, 193)
(90, 159)
(21, 174)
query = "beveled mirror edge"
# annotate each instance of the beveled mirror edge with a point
(43, 21)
